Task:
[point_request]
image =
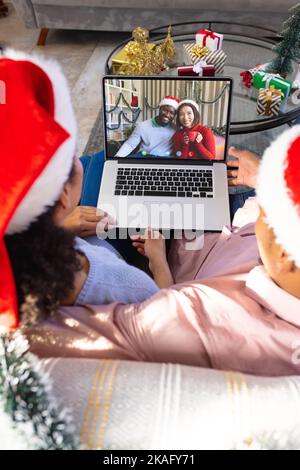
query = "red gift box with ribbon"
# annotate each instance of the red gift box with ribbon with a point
(196, 71)
(187, 71)
(213, 41)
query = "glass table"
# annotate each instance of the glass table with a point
(245, 46)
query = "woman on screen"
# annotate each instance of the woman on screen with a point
(192, 139)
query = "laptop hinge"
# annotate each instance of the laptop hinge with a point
(153, 161)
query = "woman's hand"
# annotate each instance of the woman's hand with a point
(244, 169)
(199, 138)
(152, 244)
(186, 139)
(84, 220)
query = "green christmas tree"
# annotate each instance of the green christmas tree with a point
(288, 49)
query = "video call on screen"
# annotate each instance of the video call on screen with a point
(178, 119)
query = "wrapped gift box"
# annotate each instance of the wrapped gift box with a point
(121, 59)
(186, 71)
(269, 101)
(247, 75)
(263, 79)
(192, 70)
(194, 53)
(213, 41)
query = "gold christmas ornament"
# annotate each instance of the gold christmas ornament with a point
(140, 35)
(168, 47)
(143, 58)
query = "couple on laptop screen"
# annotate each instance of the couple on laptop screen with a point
(171, 128)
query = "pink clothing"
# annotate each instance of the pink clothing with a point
(231, 315)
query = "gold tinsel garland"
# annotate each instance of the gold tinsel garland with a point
(143, 58)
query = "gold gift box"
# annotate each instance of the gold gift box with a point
(121, 58)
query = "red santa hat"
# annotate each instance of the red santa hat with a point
(192, 102)
(170, 101)
(37, 148)
(278, 190)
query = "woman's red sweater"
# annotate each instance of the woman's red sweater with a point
(204, 149)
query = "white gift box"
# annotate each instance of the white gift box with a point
(213, 41)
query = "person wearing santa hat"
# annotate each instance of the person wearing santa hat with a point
(192, 140)
(237, 304)
(154, 136)
(40, 186)
(232, 312)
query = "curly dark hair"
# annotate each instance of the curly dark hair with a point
(195, 111)
(44, 262)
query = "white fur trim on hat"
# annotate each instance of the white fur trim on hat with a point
(46, 190)
(169, 102)
(273, 195)
(190, 102)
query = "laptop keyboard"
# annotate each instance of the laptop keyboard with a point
(161, 182)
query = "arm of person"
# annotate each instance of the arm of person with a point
(152, 244)
(109, 278)
(159, 329)
(206, 146)
(131, 143)
(243, 169)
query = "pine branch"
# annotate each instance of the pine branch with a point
(287, 50)
(24, 394)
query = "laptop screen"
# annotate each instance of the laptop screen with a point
(166, 118)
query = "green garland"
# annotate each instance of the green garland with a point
(120, 115)
(122, 97)
(24, 397)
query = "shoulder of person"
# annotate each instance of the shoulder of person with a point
(148, 122)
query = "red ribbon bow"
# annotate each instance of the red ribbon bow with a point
(247, 78)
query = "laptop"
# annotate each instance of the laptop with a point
(159, 171)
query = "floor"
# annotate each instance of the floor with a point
(82, 55)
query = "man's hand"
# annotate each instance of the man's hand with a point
(244, 169)
(83, 220)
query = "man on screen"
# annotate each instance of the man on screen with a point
(154, 135)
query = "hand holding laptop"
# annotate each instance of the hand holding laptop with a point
(83, 220)
(243, 169)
